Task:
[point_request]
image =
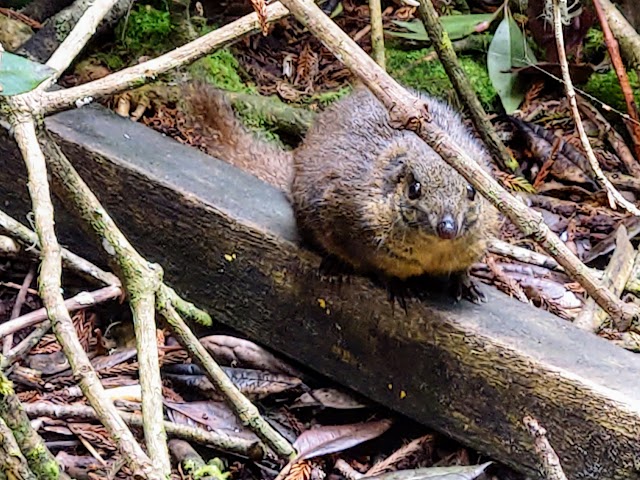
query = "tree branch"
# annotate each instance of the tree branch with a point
(77, 39)
(141, 280)
(49, 102)
(377, 33)
(40, 460)
(443, 46)
(50, 287)
(614, 54)
(246, 411)
(614, 196)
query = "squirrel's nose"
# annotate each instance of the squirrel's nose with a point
(447, 227)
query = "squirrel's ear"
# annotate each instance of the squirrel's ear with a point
(393, 160)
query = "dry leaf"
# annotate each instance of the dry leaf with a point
(255, 384)
(328, 398)
(211, 416)
(336, 438)
(237, 352)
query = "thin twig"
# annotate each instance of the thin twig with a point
(17, 307)
(614, 196)
(621, 72)
(141, 280)
(41, 462)
(615, 139)
(444, 48)
(626, 34)
(77, 39)
(49, 102)
(523, 255)
(213, 438)
(78, 302)
(187, 309)
(377, 33)
(70, 260)
(50, 285)
(347, 470)
(551, 468)
(9, 247)
(22, 349)
(412, 448)
(408, 112)
(246, 411)
(14, 464)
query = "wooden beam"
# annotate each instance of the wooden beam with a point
(228, 243)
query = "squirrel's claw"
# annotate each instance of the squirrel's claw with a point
(465, 287)
(334, 270)
(397, 290)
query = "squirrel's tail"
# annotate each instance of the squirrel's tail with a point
(224, 137)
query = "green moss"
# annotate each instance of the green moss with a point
(411, 69)
(220, 69)
(257, 124)
(594, 45)
(110, 59)
(606, 88)
(6, 386)
(214, 469)
(146, 31)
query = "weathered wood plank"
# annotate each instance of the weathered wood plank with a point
(471, 372)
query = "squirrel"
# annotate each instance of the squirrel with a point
(377, 199)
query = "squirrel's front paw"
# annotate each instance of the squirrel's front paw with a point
(465, 287)
(334, 270)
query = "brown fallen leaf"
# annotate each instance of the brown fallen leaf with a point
(255, 384)
(328, 398)
(336, 438)
(237, 352)
(209, 415)
(566, 163)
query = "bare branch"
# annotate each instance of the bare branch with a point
(133, 76)
(50, 285)
(77, 39)
(246, 411)
(551, 468)
(614, 196)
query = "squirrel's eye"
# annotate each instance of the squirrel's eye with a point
(471, 193)
(415, 189)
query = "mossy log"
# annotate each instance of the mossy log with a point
(228, 243)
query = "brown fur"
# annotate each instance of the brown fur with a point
(226, 138)
(349, 184)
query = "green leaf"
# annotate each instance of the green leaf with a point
(20, 75)
(456, 26)
(457, 472)
(507, 50)
(337, 11)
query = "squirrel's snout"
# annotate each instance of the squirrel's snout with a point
(447, 227)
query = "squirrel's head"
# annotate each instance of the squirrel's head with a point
(427, 195)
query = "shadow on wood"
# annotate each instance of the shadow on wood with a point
(228, 243)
